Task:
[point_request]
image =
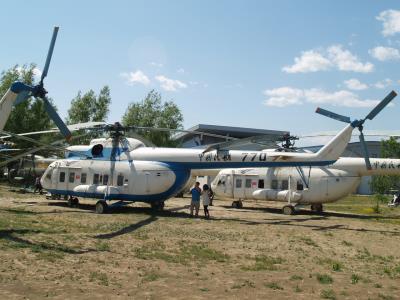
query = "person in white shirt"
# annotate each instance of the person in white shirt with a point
(205, 195)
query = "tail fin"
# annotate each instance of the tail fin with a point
(336, 146)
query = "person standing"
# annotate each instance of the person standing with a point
(206, 200)
(38, 185)
(195, 203)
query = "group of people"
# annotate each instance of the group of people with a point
(205, 195)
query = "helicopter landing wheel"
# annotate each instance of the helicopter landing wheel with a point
(101, 207)
(72, 202)
(157, 205)
(318, 208)
(237, 204)
(288, 210)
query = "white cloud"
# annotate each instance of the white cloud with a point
(322, 60)
(170, 85)
(383, 83)
(181, 70)
(155, 64)
(346, 61)
(285, 96)
(309, 61)
(384, 53)
(391, 21)
(136, 77)
(355, 84)
(338, 98)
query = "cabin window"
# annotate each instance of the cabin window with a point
(96, 179)
(62, 176)
(248, 183)
(71, 177)
(299, 186)
(238, 183)
(261, 183)
(284, 185)
(120, 180)
(105, 179)
(83, 178)
(274, 184)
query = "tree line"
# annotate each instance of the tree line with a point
(88, 106)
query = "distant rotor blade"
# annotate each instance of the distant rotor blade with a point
(42, 146)
(49, 54)
(263, 140)
(56, 118)
(366, 152)
(381, 105)
(332, 115)
(181, 130)
(141, 138)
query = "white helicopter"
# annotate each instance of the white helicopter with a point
(124, 169)
(297, 187)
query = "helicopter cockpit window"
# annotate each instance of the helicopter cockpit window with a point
(105, 179)
(83, 178)
(49, 173)
(96, 179)
(120, 180)
(62, 176)
(222, 180)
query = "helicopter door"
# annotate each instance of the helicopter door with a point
(249, 184)
(238, 187)
(228, 185)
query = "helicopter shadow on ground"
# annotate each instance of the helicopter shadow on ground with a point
(176, 212)
(303, 212)
(11, 235)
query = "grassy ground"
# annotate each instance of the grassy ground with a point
(50, 250)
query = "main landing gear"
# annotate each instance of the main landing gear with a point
(317, 207)
(288, 210)
(157, 205)
(237, 204)
(101, 207)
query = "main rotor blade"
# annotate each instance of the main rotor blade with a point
(366, 152)
(56, 118)
(381, 105)
(332, 115)
(63, 149)
(49, 54)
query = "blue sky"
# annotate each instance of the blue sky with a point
(260, 64)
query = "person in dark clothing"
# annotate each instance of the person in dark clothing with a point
(38, 186)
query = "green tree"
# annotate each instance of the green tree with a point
(89, 107)
(29, 115)
(383, 183)
(151, 112)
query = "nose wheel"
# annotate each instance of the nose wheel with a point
(101, 207)
(73, 202)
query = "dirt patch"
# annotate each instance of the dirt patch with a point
(50, 250)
